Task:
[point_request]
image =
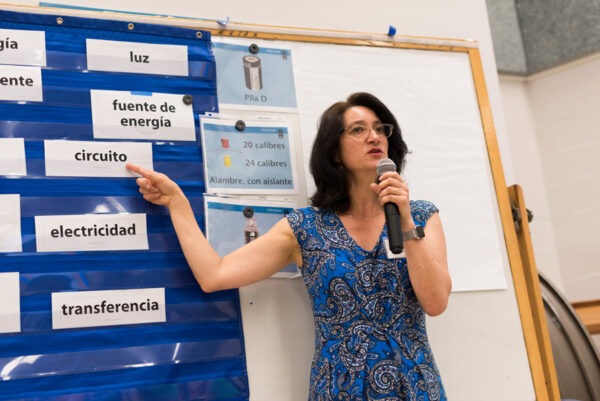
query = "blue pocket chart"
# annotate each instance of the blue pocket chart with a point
(91, 325)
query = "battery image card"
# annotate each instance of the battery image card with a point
(254, 77)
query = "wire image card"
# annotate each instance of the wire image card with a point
(254, 160)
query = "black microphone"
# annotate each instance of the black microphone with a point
(392, 215)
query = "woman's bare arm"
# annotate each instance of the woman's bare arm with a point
(253, 262)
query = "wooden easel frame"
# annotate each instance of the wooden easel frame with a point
(529, 275)
(520, 254)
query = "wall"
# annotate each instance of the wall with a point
(557, 31)
(552, 119)
(529, 174)
(565, 107)
(534, 35)
(506, 33)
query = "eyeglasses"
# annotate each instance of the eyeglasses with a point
(361, 131)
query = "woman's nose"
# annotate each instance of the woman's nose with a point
(372, 135)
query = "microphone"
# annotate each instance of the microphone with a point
(392, 215)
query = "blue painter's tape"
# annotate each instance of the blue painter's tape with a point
(223, 22)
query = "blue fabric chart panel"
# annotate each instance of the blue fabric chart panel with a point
(197, 353)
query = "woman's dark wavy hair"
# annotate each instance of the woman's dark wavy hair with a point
(329, 175)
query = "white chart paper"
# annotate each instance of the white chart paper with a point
(155, 116)
(12, 156)
(141, 58)
(107, 308)
(440, 120)
(95, 159)
(91, 232)
(22, 47)
(10, 309)
(10, 223)
(20, 83)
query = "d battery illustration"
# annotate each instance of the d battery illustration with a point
(253, 72)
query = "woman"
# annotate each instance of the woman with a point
(369, 309)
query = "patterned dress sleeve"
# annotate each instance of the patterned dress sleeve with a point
(422, 210)
(302, 223)
(296, 221)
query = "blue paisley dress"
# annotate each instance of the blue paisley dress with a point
(370, 340)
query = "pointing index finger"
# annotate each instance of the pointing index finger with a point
(140, 170)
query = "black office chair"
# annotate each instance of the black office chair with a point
(576, 358)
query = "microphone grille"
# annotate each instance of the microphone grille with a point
(385, 165)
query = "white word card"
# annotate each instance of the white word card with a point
(95, 159)
(10, 309)
(107, 308)
(12, 156)
(22, 47)
(155, 116)
(91, 232)
(20, 83)
(141, 58)
(10, 223)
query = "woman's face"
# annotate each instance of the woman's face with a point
(361, 153)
